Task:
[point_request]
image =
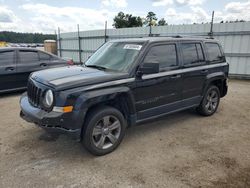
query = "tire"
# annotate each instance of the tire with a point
(210, 101)
(104, 131)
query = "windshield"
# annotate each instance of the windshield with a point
(116, 56)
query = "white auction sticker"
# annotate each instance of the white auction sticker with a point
(132, 47)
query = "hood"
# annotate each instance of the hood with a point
(74, 76)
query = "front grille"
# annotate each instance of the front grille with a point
(34, 94)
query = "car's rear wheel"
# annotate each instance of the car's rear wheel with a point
(210, 101)
(105, 130)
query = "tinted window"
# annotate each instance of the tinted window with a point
(44, 56)
(6, 57)
(164, 54)
(200, 52)
(28, 56)
(213, 50)
(192, 53)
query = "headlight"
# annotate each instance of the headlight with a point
(48, 99)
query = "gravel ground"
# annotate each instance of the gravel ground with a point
(180, 150)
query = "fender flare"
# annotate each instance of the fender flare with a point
(213, 77)
(91, 98)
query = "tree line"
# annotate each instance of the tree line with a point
(14, 37)
(123, 20)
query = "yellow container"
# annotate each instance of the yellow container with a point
(3, 44)
(50, 46)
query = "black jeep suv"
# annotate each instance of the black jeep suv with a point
(126, 82)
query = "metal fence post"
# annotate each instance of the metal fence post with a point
(105, 32)
(79, 44)
(150, 28)
(59, 41)
(212, 24)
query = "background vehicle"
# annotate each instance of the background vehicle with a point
(16, 64)
(126, 82)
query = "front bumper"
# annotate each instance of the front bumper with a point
(54, 122)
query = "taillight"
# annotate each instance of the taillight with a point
(70, 62)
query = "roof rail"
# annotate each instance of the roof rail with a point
(177, 36)
(182, 36)
(209, 37)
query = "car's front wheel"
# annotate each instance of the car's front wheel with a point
(210, 101)
(105, 130)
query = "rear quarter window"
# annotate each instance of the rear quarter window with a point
(213, 52)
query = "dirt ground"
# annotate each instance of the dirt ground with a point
(180, 150)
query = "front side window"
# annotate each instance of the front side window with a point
(6, 57)
(214, 52)
(165, 55)
(116, 56)
(28, 56)
(192, 53)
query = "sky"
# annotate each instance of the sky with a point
(45, 16)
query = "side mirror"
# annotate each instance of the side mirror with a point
(149, 68)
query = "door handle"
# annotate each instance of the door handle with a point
(10, 68)
(43, 65)
(175, 76)
(204, 71)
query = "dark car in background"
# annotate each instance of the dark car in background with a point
(16, 64)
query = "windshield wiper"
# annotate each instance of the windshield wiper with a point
(96, 66)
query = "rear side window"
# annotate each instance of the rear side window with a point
(192, 53)
(28, 56)
(44, 56)
(164, 54)
(214, 52)
(6, 57)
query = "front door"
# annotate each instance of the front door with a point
(160, 93)
(28, 61)
(7, 70)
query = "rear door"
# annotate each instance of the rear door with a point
(7, 70)
(193, 59)
(28, 61)
(49, 60)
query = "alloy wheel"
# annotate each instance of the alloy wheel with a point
(106, 132)
(212, 101)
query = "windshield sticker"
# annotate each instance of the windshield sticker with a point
(132, 47)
